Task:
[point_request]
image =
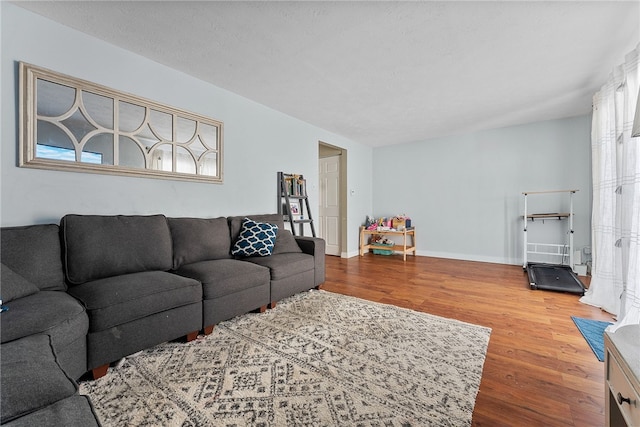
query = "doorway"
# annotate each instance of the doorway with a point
(332, 200)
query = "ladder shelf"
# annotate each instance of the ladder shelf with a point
(293, 202)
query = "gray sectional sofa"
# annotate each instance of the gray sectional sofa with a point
(43, 333)
(83, 294)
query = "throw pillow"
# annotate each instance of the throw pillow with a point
(255, 239)
(14, 286)
(285, 243)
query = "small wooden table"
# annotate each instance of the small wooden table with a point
(404, 248)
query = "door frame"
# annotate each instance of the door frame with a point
(329, 150)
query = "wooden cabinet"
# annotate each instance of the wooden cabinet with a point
(405, 247)
(622, 377)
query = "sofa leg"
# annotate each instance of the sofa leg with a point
(208, 329)
(272, 304)
(319, 287)
(100, 371)
(263, 308)
(192, 336)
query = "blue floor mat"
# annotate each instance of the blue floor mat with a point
(593, 332)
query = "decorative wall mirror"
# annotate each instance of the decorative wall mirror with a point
(71, 124)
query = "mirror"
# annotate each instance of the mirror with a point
(72, 124)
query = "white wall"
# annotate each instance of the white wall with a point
(258, 141)
(464, 193)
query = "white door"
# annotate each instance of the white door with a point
(330, 203)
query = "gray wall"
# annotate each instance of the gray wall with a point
(258, 141)
(464, 193)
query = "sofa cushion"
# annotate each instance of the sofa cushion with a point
(34, 253)
(314, 246)
(255, 239)
(235, 222)
(116, 300)
(31, 377)
(196, 239)
(14, 285)
(104, 246)
(49, 312)
(225, 276)
(74, 411)
(285, 243)
(285, 265)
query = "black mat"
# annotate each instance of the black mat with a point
(553, 277)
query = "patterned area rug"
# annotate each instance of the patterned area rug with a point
(317, 359)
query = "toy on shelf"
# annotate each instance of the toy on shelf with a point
(378, 239)
(381, 241)
(398, 222)
(370, 223)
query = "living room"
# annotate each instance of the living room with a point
(462, 189)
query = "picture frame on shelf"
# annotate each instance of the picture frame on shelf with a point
(294, 208)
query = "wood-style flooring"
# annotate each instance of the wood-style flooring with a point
(539, 370)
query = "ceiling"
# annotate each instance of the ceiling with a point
(380, 73)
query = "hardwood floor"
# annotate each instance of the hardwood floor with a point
(539, 370)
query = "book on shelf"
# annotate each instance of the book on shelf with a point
(296, 186)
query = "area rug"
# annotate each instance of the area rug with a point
(317, 359)
(593, 332)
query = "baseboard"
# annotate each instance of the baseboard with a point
(449, 255)
(467, 257)
(350, 254)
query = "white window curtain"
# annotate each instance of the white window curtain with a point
(615, 282)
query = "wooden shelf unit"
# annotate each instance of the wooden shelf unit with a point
(404, 248)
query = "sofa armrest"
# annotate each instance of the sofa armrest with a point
(314, 246)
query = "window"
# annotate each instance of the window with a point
(58, 153)
(71, 124)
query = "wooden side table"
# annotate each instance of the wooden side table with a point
(622, 377)
(404, 248)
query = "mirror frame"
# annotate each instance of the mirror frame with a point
(28, 119)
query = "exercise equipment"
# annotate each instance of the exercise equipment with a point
(549, 276)
(553, 277)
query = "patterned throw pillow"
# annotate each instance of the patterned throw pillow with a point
(255, 239)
